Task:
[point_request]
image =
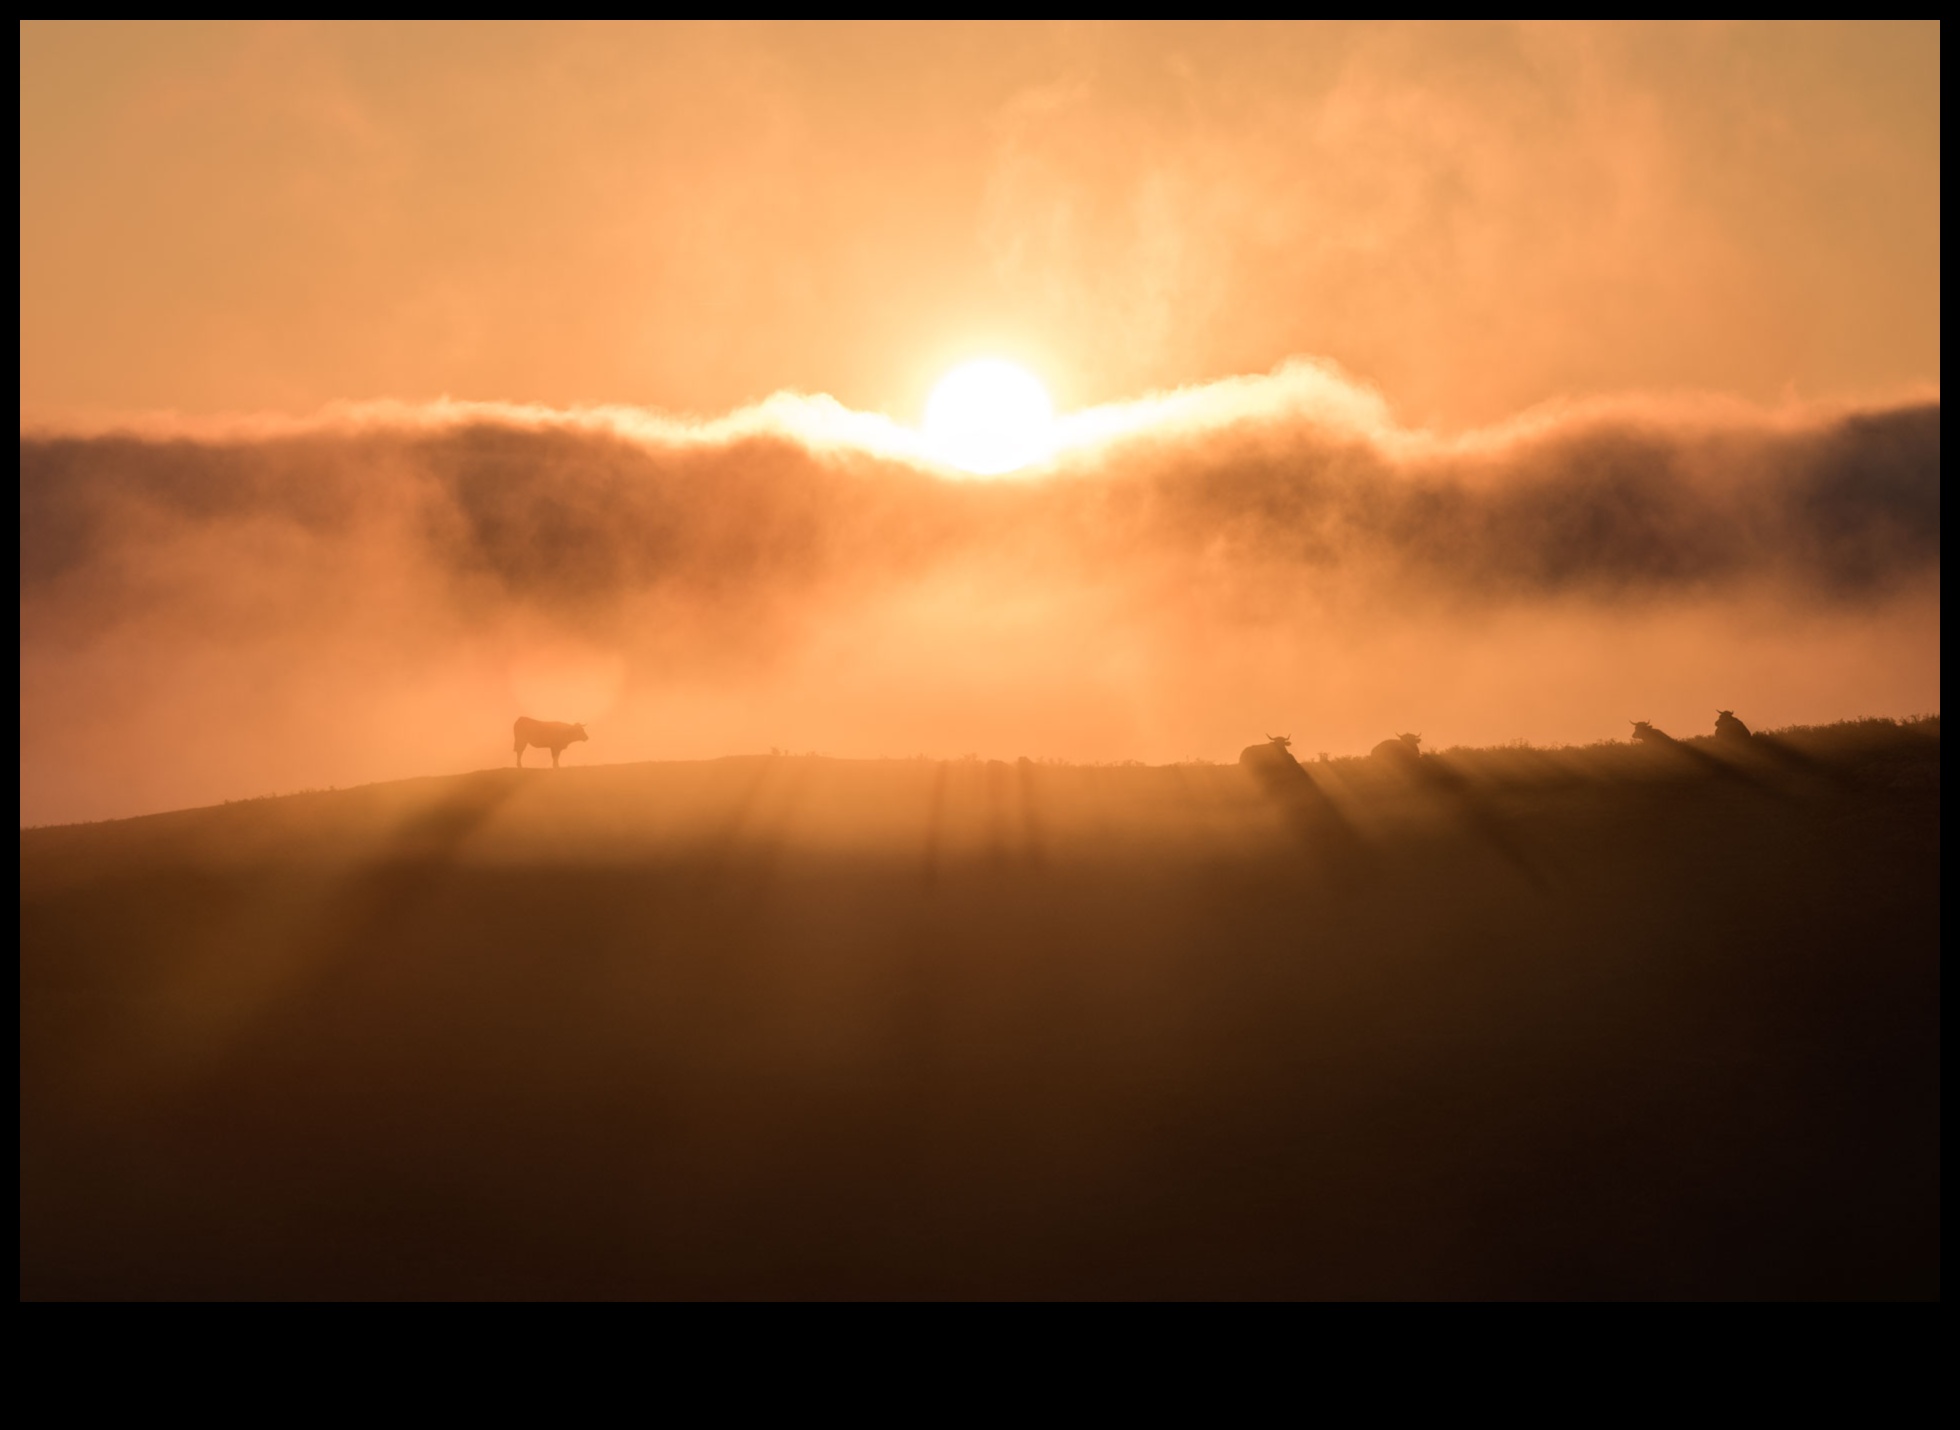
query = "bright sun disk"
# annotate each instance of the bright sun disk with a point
(988, 417)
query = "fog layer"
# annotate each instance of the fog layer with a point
(223, 611)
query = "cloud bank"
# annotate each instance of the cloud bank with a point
(221, 609)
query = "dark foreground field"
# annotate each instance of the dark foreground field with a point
(1613, 1022)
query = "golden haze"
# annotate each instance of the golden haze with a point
(1502, 384)
(1492, 381)
(220, 610)
(220, 218)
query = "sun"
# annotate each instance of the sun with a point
(989, 417)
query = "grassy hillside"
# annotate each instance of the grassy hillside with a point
(1615, 1022)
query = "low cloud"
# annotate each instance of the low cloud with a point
(221, 609)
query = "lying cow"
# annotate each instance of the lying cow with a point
(1727, 727)
(1401, 748)
(552, 735)
(1272, 764)
(1273, 755)
(1645, 734)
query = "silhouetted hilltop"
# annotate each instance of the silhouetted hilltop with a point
(1605, 1021)
(898, 799)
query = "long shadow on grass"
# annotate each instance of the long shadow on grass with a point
(1310, 816)
(1478, 812)
(420, 852)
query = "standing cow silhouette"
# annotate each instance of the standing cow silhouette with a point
(552, 735)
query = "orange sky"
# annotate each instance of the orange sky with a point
(1473, 219)
(1491, 383)
(377, 595)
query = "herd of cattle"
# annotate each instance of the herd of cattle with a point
(1727, 727)
(1406, 749)
(554, 736)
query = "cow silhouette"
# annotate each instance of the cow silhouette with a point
(1402, 749)
(1270, 760)
(552, 735)
(1645, 734)
(1303, 806)
(1727, 727)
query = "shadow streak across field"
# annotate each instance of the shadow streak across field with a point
(423, 848)
(1447, 785)
(1701, 1061)
(1311, 815)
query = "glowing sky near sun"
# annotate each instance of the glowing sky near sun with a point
(273, 217)
(989, 417)
(1077, 391)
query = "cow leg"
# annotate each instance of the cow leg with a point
(554, 756)
(520, 757)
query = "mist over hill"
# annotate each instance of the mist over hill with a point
(217, 612)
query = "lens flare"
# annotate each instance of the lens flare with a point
(989, 417)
